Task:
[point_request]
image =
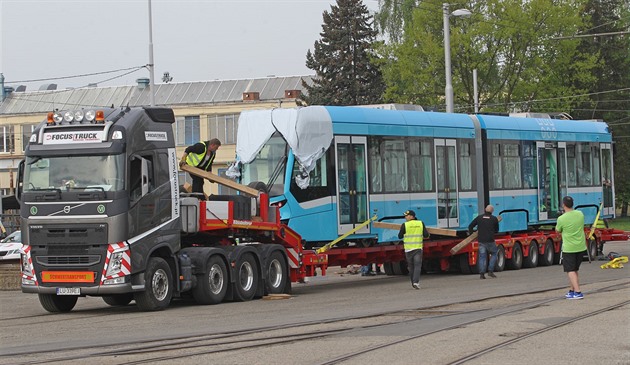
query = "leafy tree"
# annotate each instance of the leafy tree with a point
(344, 58)
(518, 60)
(393, 16)
(610, 96)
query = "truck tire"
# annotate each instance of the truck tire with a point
(388, 268)
(58, 303)
(547, 257)
(532, 258)
(276, 273)
(213, 284)
(400, 268)
(516, 262)
(592, 248)
(464, 267)
(158, 288)
(118, 300)
(246, 282)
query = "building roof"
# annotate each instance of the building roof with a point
(172, 94)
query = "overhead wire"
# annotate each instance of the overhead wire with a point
(75, 76)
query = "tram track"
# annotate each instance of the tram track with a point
(191, 346)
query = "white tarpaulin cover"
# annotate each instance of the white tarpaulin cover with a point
(308, 131)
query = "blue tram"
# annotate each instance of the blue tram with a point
(332, 168)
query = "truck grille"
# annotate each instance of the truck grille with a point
(68, 260)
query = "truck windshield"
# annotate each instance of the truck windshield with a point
(105, 173)
(270, 158)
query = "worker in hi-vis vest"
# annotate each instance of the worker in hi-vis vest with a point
(200, 155)
(413, 232)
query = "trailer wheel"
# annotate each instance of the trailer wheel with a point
(557, 255)
(118, 300)
(464, 266)
(159, 286)
(516, 262)
(276, 273)
(532, 258)
(388, 268)
(400, 268)
(246, 278)
(592, 248)
(500, 265)
(58, 303)
(213, 284)
(547, 257)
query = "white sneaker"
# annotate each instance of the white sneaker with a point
(416, 285)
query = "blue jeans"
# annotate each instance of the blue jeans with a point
(486, 248)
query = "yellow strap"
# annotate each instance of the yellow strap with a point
(615, 263)
(328, 246)
(590, 235)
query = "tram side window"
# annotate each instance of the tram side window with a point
(495, 165)
(571, 165)
(584, 165)
(420, 165)
(528, 165)
(375, 165)
(395, 166)
(466, 167)
(511, 166)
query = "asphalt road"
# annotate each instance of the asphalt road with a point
(452, 317)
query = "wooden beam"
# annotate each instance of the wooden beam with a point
(436, 231)
(221, 180)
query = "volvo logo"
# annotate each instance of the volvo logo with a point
(66, 209)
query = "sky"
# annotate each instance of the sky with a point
(193, 40)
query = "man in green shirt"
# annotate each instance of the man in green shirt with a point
(571, 225)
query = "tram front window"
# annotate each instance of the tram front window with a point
(270, 161)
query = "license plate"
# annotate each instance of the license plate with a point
(68, 291)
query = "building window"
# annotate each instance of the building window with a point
(187, 130)
(7, 139)
(223, 127)
(27, 131)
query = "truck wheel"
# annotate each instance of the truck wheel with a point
(246, 278)
(532, 259)
(58, 303)
(547, 257)
(500, 265)
(516, 262)
(158, 288)
(118, 300)
(400, 268)
(212, 285)
(276, 273)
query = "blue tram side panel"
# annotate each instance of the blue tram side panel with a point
(445, 167)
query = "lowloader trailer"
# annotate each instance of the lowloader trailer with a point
(102, 215)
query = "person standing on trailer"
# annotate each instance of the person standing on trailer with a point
(412, 232)
(487, 226)
(200, 155)
(571, 225)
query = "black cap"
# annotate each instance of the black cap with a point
(411, 213)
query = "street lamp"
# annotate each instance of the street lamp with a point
(447, 53)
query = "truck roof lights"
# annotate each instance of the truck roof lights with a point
(100, 116)
(78, 116)
(68, 117)
(50, 119)
(90, 115)
(57, 117)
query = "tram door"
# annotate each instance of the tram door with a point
(447, 185)
(607, 179)
(352, 183)
(552, 178)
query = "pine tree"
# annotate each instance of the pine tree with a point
(344, 59)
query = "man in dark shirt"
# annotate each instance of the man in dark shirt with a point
(200, 155)
(487, 227)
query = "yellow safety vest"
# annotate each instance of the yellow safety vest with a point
(199, 159)
(412, 240)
